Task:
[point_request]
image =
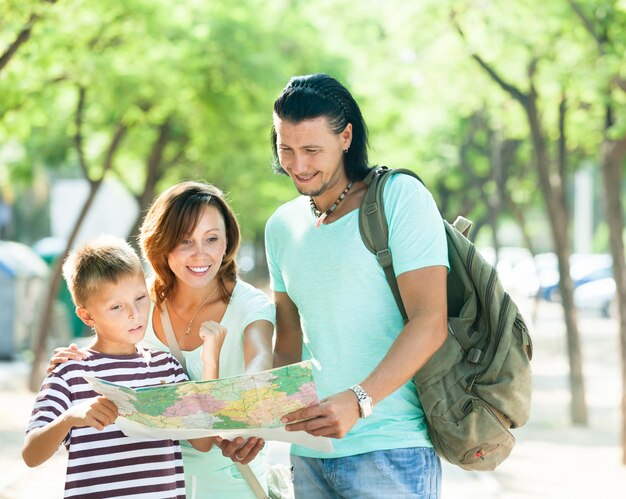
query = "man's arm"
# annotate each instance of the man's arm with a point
(423, 293)
(288, 347)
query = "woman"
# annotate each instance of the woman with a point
(190, 237)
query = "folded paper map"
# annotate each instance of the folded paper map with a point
(249, 405)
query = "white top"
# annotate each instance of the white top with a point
(247, 304)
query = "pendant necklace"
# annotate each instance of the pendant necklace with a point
(321, 216)
(188, 330)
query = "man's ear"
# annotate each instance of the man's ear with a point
(346, 137)
(85, 316)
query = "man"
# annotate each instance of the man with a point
(334, 305)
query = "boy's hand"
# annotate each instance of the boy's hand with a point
(63, 354)
(98, 413)
(212, 335)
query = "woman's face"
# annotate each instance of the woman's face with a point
(198, 256)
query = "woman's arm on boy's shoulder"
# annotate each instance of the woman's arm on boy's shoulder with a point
(41, 443)
(65, 354)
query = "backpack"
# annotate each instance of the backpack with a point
(478, 384)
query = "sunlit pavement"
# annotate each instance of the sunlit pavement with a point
(552, 459)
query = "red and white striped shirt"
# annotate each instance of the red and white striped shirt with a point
(107, 463)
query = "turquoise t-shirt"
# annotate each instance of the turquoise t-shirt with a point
(347, 311)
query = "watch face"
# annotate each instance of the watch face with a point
(366, 407)
(364, 400)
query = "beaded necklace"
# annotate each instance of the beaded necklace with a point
(321, 216)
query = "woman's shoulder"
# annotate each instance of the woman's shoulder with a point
(249, 304)
(244, 292)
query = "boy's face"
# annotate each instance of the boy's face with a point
(119, 313)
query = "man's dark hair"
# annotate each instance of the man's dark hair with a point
(313, 96)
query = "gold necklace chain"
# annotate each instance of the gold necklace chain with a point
(188, 330)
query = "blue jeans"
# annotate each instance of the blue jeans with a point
(397, 473)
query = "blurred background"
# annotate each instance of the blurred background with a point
(513, 113)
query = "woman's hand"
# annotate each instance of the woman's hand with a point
(239, 451)
(213, 335)
(63, 354)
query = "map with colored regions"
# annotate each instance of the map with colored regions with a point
(245, 405)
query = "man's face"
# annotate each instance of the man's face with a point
(312, 155)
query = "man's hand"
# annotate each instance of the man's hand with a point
(239, 451)
(98, 413)
(62, 354)
(333, 417)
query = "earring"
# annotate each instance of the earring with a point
(345, 151)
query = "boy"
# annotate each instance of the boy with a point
(107, 285)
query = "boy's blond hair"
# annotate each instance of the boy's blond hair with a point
(104, 259)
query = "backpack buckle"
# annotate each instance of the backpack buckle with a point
(384, 257)
(371, 208)
(474, 355)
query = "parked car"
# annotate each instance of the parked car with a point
(599, 295)
(592, 276)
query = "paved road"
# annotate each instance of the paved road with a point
(551, 460)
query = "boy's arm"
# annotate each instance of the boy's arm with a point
(41, 443)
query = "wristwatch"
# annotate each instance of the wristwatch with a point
(365, 401)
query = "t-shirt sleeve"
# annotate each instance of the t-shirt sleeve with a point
(256, 306)
(417, 236)
(276, 278)
(53, 399)
(179, 374)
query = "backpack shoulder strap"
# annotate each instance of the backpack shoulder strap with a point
(374, 227)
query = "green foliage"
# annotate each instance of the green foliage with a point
(208, 72)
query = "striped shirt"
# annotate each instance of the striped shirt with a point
(107, 463)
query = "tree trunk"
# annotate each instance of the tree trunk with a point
(613, 156)
(154, 172)
(22, 37)
(38, 368)
(552, 187)
(94, 185)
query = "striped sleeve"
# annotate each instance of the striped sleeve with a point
(53, 399)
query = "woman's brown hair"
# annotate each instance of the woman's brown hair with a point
(174, 214)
